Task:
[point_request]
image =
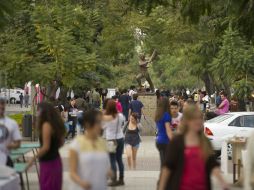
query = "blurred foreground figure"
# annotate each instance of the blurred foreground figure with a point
(89, 160)
(10, 137)
(51, 135)
(189, 159)
(249, 165)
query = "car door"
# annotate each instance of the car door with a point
(248, 125)
(235, 127)
(242, 125)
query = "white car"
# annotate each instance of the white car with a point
(230, 124)
(11, 95)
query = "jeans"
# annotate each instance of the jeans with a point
(117, 158)
(72, 128)
(162, 150)
(126, 112)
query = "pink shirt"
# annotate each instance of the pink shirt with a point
(194, 170)
(119, 107)
(225, 107)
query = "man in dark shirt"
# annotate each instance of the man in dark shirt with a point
(136, 106)
(124, 99)
(21, 98)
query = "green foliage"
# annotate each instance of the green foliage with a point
(6, 9)
(58, 40)
(235, 62)
(84, 43)
(18, 49)
(17, 117)
(231, 55)
(243, 88)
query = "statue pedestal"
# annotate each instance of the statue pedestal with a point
(150, 103)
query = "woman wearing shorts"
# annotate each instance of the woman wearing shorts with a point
(132, 140)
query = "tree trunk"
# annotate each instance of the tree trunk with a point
(227, 89)
(63, 95)
(209, 83)
(51, 90)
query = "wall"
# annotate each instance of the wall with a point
(148, 124)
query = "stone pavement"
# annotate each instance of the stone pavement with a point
(143, 178)
(15, 108)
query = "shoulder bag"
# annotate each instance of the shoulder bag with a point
(112, 144)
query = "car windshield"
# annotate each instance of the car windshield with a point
(220, 118)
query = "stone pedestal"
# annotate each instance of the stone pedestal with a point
(150, 104)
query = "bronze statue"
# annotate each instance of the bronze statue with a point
(143, 65)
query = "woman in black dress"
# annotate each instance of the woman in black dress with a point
(132, 140)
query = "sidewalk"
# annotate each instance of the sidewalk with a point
(144, 178)
(15, 108)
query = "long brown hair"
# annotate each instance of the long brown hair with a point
(111, 108)
(162, 107)
(190, 112)
(47, 113)
(135, 116)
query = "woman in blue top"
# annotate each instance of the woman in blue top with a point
(164, 132)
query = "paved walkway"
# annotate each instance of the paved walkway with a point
(144, 178)
(15, 108)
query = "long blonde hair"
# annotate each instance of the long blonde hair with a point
(190, 112)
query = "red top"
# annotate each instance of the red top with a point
(194, 171)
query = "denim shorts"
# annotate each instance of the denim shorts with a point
(136, 146)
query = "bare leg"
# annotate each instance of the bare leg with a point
(134, 156)
(138, 78)
(149, 80)
(129, 155)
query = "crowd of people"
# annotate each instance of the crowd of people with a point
(96, 154)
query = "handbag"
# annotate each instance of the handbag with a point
(112, 144)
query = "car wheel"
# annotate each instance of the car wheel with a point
(229, 150)
(13, 100)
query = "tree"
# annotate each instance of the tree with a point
(234, 63)
(19, 49)
(6, 9)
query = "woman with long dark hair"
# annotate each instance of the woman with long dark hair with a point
(190, 160)
(163, 122)
(115, 140)
(51, 136)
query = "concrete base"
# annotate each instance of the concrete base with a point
(150, 104)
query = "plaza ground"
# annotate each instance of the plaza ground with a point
(15, 108)
(143, 178)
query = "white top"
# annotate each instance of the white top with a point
(114, 129)
(176, 120)
(93, 162)
(9, 132)
(131, 92)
